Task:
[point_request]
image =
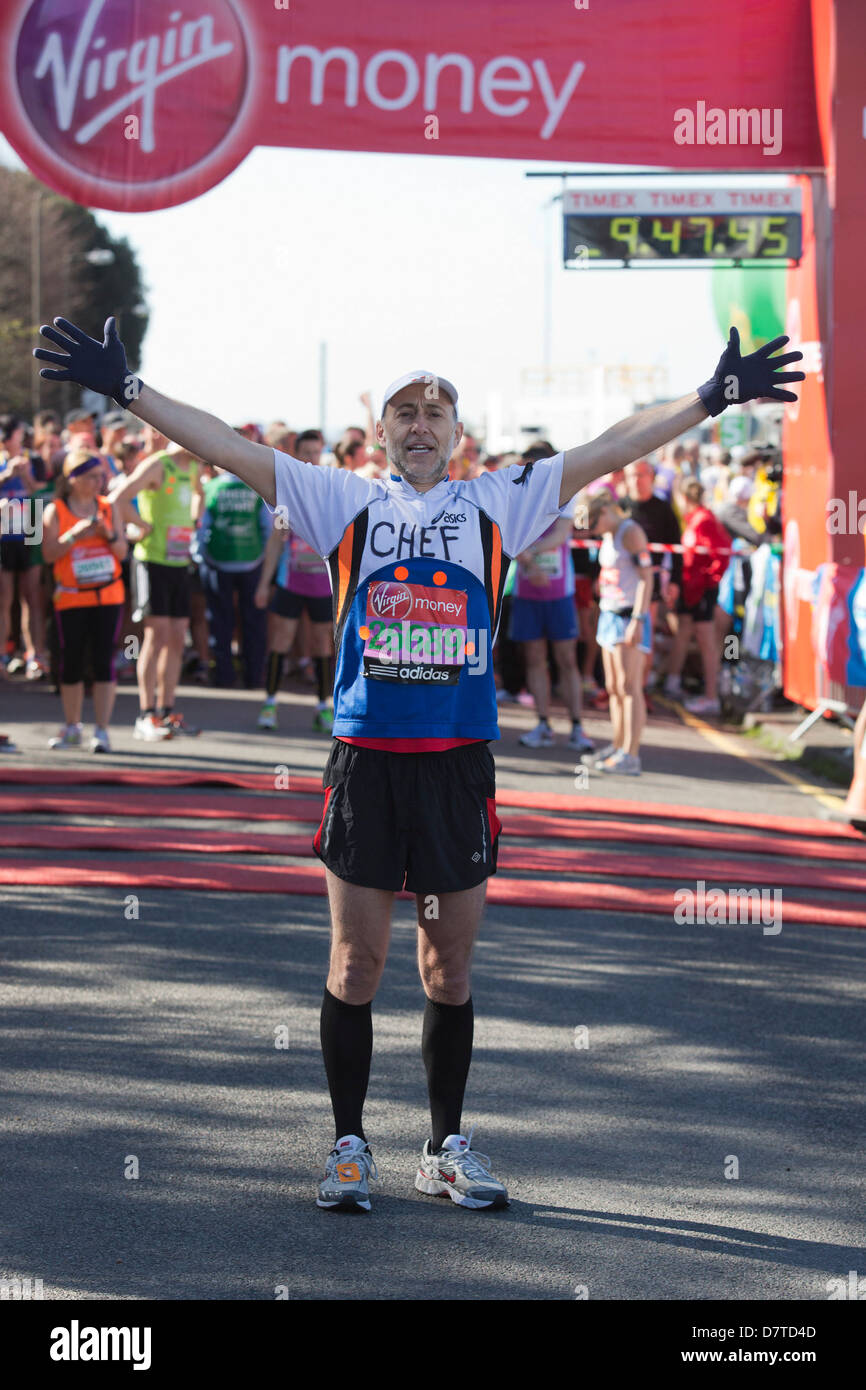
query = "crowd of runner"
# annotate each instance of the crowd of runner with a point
(123, 555)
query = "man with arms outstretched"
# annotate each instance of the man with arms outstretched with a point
(418, 566)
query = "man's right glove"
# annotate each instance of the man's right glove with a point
(101, 367)
(739, 379)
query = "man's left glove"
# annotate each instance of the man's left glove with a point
(739, 379)
(101, 367)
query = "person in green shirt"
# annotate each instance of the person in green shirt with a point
(229, 547)
(168, 488)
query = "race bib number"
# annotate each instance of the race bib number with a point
(414, 635)
(177, 542)
(91, 566)
(608, 581)
(550, 562)
(305, 560)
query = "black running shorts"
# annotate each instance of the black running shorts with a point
(704, 611)
(161, 591)
(423, 821)
(287, 604)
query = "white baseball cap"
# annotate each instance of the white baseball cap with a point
(429, 379)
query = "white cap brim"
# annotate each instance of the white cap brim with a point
(432, 383)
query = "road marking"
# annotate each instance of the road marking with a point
(726, 743)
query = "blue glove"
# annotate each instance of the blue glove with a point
(101, 367)
(739, 379)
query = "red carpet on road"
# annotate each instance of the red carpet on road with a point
(562, 868)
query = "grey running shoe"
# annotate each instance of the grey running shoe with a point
(456, 1171)
(348, 1168)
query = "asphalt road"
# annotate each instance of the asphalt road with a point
(711, 1049)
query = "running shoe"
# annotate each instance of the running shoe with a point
(268, 715)
(539, 737)
(611, 762)
(578, 740)
(150, 728)
(629, 764)
(701, 705)
(34, 670)
(456, 1171)
(590, 759)
(6, 744)
(15, 665)
(672, 687)
(348, 1168)
(504, 697)
(323, 720)
(69, 737)
(176, 725)
(99, 743)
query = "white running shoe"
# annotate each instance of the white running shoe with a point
(672, 687)
(268, 715)
(577, 739)
(701, 705)
(539, 737)
(459, 1173)
(348, 1168)
(99, 743)
(150, 728)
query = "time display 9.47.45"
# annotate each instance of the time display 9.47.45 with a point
(642, 226)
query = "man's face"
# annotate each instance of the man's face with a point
(639, 479)
(309, 450)
(419, 435)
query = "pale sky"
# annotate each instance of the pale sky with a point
(398, 262)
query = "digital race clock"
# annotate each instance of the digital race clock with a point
(757, 226)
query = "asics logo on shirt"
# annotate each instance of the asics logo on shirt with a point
(449, 518)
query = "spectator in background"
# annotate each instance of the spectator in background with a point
(659, 522)
(112, 429)
(230, 545)
(20, 561)
(82, 539)
(705, 559)
(309, 446)
(352, 456)
(543, 611)
(279, 436)
(668, 472)
(80, 428)
(625, 586)
(465, 462)
(733, 513)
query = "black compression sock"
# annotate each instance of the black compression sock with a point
(324, 677)
(346, 1031)
(446, 1047)
(274, 673)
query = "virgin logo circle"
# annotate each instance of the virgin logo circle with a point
(391, 601)
(132, 94)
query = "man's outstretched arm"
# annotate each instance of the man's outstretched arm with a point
(103, 367)
(628, 440)
(736, 379)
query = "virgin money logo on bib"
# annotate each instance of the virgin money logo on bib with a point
(106, 85)
(390, 600)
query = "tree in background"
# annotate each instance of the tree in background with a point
(80, 272)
